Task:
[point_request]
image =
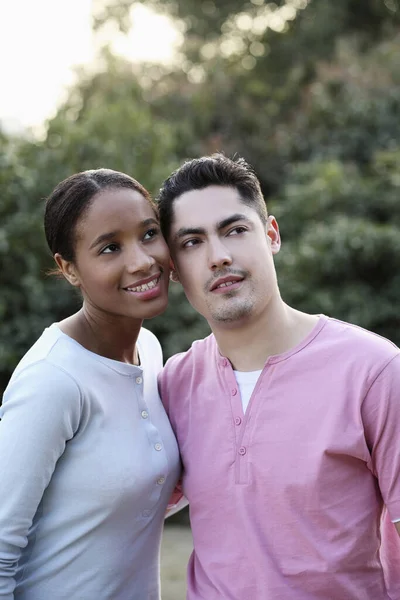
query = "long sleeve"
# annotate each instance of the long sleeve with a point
(40, 413)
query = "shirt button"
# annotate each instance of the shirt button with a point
(161, 480)
(224, 362)
(158, 446)
(238, 420)
(242, 451)
(234, 392)
(145, 414)
(139, 380)
(146, 513)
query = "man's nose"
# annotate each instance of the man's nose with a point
(219, 255)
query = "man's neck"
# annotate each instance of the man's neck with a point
(249, 345)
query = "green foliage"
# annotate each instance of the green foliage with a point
(311, 100)
(343, 243)
(206, 19)
(105, 122)
(24, 299)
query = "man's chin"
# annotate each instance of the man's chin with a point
(232, 315)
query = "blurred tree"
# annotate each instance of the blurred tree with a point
(206, 20)
(25, 298)
(248, 88)
(343, 244)
(107, 120)
(104, 122)
(308, 92)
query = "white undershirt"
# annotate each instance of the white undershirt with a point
(246, 381)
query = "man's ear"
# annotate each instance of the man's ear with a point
(173, 274)
(272, 230)
(67, 268)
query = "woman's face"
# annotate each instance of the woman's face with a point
(121, 259)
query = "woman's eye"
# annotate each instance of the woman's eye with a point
(110, 249)
(151, 233)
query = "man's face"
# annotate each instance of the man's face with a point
(223, 255)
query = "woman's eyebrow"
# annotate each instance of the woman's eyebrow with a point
(105, 237)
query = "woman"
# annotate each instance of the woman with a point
(88, 458)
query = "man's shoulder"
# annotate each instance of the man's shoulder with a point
(181, 379)
(200, 353)
(359, 341)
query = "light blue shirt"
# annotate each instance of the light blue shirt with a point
(88, 462)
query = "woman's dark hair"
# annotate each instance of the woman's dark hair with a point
(70, 200)
(199, 173)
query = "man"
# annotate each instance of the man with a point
(288, 423)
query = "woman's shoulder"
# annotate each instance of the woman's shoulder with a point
(150, 350)
(53, 357)
(148, 339)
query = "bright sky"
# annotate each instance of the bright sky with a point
(40, 42)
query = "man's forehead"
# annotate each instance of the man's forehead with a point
(207, 206)
(220, 192)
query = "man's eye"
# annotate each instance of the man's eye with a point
(110, 249)
(237, 230)
(190, 243)
(151, 233)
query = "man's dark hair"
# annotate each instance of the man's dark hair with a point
(200, 173)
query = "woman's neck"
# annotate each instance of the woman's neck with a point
(104, 334)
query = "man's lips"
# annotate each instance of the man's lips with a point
(224, 283)
(143, 285)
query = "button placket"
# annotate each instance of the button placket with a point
(239, 423)
(156, 445)
(144, 413)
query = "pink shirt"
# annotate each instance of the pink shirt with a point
(286, 499)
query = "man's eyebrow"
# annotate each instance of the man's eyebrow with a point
(232, 219)
(183, 231)
(188, 231)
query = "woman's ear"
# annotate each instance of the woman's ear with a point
(173, 275)
(67, 268)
